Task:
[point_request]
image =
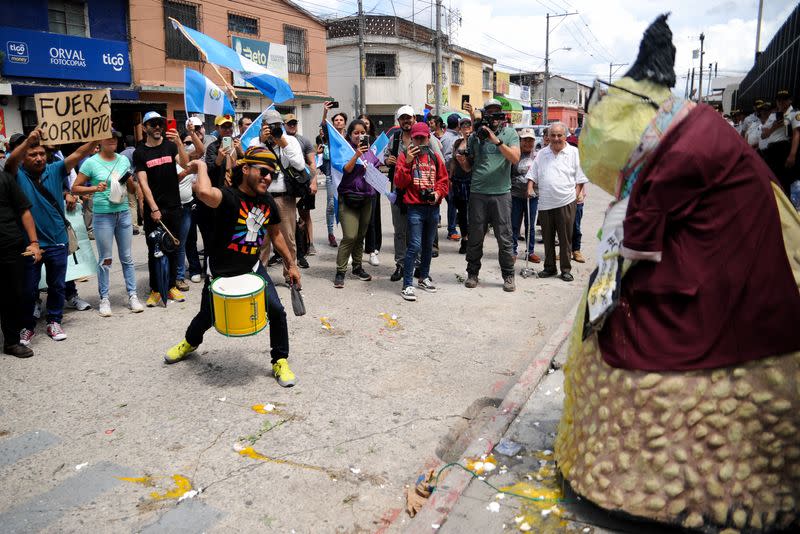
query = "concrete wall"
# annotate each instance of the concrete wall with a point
(574, 93)
(473, 84)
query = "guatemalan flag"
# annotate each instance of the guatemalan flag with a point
(201, 95)
(217, 53)
(252, 133)
(341, 152)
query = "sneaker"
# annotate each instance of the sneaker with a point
(397, 274)
(547, 274)
(508, 284)
(332, 241)
(274, 260)
(373, 259)
(361, 274)
(55, 332)
(196, 278)
(454, 237)
(77, 303)
(408, 294)
(176, 295)
(577, 256)
(435, 253)
(302, 263)
(533, 258)
(311, 250)
(37, 309)
(178, 352)
(283, 374)
(19, 350)
(183, 285)
(338, 280)
(472, 281)
(463, 248)
(567, 277)
(25, 336)
(153, 300)
(427, 285)
(105, 307)
(134, 304)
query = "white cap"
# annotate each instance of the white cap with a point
(404, 110)
(194, 120)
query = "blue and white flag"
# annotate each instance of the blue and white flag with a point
(260, 77)
(201, 95)
(379, 147)
(254, 129)
(341, 152)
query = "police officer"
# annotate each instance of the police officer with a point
(781, 152)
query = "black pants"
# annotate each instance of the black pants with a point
(461, 215)
(374, 238)
(775, 156)
(558, 221)
(171, 217)
(12, 272)
(278, 329)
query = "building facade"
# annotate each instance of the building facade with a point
(472, 74)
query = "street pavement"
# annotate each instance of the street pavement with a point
(98, 434)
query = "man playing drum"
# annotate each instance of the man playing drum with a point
(244, 216)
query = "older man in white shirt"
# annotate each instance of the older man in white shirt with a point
(557, 173)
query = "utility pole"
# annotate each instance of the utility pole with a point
(612, 65)
(437, 86)
(362, 61)
(699, 78)
(691, 91)
(708, 91)
(758, 26)
(686, 92)
(547, 61)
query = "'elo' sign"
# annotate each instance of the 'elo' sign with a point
(74, 116)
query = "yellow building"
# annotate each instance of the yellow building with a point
(471, 74)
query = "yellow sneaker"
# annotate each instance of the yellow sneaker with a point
(176, 295)
(283, 374)
(154, 299)
(178, 352)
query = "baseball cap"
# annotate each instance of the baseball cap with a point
(272, 116)
(15, 140)
(492, 102)
(404, 110)
(152, 115)
(116, 133)
(783, 94)
(465, 122)
(764, 106)
(222, 119)
(527, 133)
(194, 120)
(452, 121)
(420, 128)
(289, 117)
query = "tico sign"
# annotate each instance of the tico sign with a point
(32, 54)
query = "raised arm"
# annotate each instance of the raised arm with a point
(208, 195)
(86, 149)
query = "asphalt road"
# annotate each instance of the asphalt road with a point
(376, 402)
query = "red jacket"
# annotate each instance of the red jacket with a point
(422, 173)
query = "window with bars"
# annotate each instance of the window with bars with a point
(457, 68)
(433, 73)
(295, 41)
(381, 65)
(488, 79)
(67, 17)
(242, 24)
(177, 46)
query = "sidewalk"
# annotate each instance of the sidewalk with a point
(530, 471)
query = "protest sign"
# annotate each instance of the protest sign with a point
(83, 262)
(74, 116)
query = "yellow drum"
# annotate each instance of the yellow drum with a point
(239, 305)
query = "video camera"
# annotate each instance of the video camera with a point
(482, 120)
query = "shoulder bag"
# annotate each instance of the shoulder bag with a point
(72, 237)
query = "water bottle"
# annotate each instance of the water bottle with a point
(794, 194)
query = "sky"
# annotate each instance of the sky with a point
(603, 31)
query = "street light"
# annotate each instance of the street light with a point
(547, 74)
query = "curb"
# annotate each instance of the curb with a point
(442, 501)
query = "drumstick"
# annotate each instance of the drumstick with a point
(169, 233)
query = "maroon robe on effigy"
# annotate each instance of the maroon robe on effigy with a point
(723, 292)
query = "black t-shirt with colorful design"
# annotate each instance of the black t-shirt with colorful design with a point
(240, 228)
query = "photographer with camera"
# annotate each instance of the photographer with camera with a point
(422, 174)
(284, 189)
(491, 151)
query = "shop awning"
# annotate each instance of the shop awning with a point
(512, 107)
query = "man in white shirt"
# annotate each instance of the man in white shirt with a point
(290, 155)
(557, 173)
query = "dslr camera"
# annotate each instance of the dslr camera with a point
(482, 120)
(427, 195)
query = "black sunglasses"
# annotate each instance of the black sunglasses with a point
(266, 172)
(597, 93)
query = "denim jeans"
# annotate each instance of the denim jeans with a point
(576, 228)
(107, 228)
(278, 328)
(329, 215)
(519, 212)
(188, 247)
(54, 260)
(451, 214)
(422, 222)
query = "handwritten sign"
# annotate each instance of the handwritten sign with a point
(74, 116)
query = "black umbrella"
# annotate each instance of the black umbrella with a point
(163, 241)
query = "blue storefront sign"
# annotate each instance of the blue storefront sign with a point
(31, 54)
